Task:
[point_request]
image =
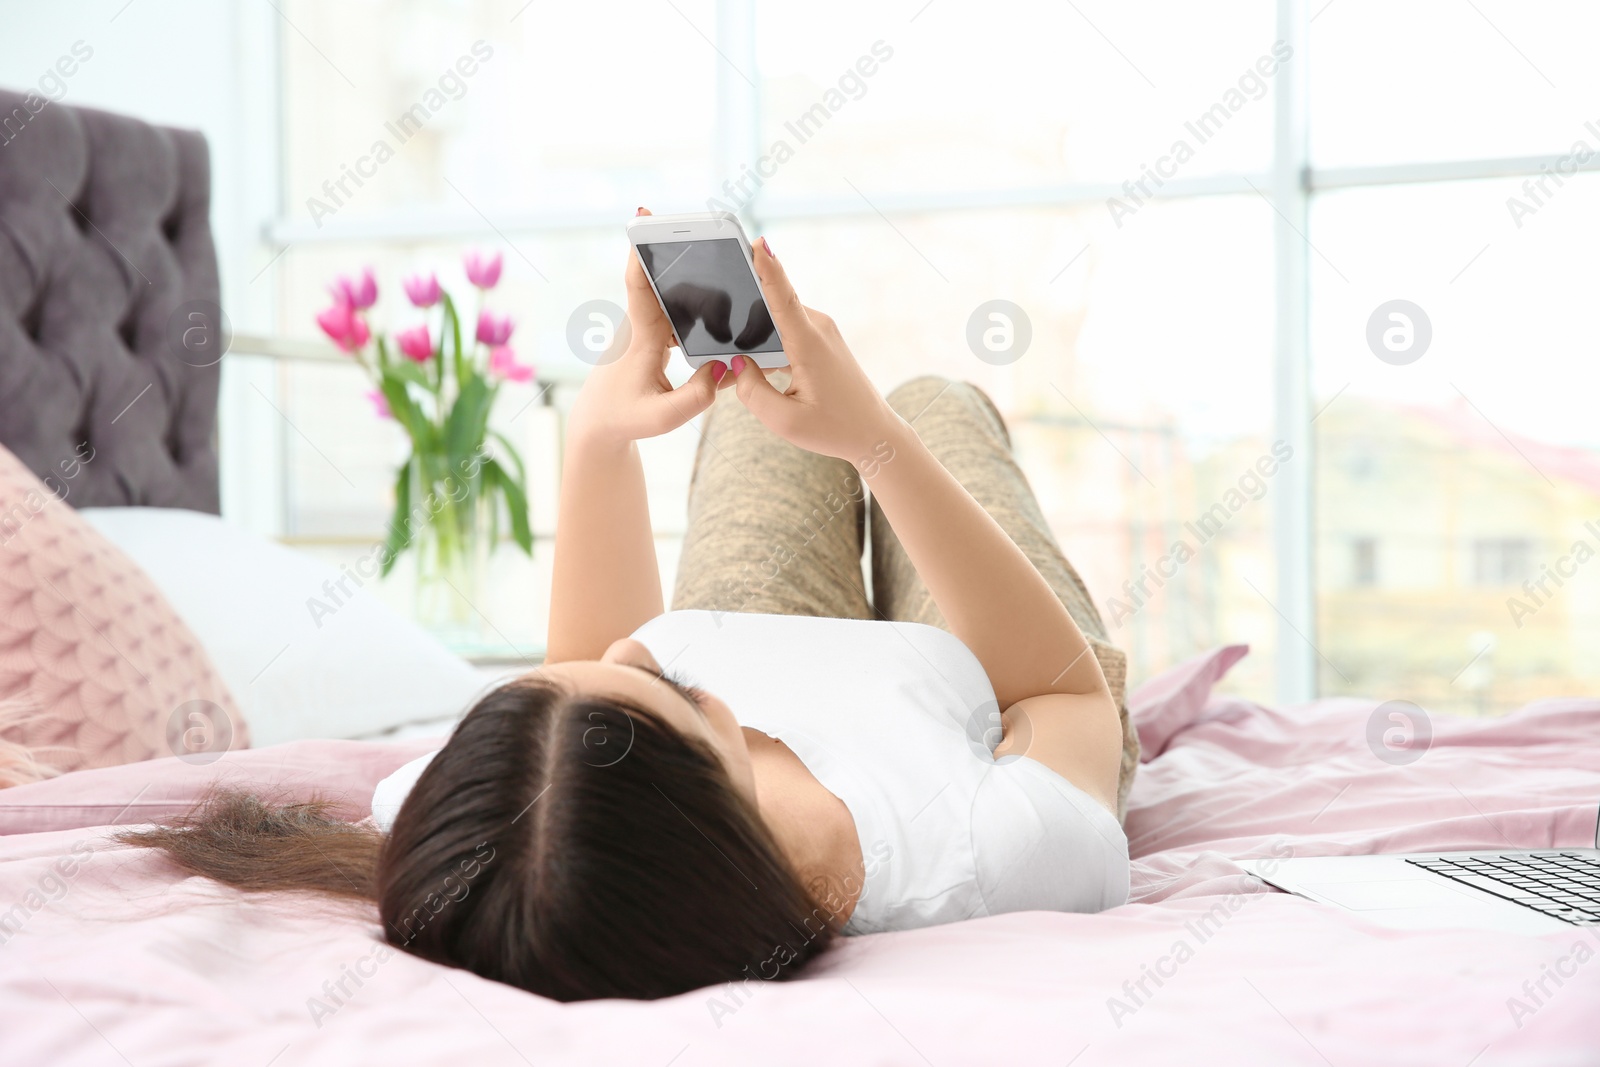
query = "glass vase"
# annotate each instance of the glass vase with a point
(451, 546)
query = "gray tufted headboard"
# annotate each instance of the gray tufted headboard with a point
(105, 258)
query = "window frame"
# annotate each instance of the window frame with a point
(1288, 186)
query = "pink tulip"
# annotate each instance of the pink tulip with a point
(503, 362)
(360, 293)
(494, 330)
(482, 271)
(380, 403)
(422, 292)
(347, 329)
(416, 343)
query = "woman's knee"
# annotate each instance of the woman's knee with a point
(917, 392)
(913, 398)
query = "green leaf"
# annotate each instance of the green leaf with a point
(468, 422)
(453, 319)
(485, 489)
(407, 414)
(399, 525)
(516, 503)
(511, 450)
(409, 371)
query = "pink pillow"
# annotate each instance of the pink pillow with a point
(1168, 702)
(96, 668)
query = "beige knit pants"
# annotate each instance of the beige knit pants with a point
(777, 530)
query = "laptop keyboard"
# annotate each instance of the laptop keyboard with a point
(1563, 885)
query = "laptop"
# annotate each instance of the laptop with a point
(1534, 892)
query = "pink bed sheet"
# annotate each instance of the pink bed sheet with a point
(118, 961)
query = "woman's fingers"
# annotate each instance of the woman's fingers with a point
(761, 397)
(673, 408)
(787, 311)
(643, 308)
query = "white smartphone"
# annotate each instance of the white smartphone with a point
(701, 269)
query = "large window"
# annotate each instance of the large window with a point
(1193, 212)
(1452, 141)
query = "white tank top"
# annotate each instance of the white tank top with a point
(899, 721)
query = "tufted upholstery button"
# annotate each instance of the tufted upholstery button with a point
(32, 318)
(104, 233)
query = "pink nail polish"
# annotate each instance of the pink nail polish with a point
(738, 365)
(767, 247)
(718, 369)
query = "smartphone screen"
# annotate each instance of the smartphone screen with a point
(711, 297)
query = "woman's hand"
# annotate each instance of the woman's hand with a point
(605, 583)
(830, 407)
(628, 397)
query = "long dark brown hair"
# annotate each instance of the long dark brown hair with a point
(571, 846)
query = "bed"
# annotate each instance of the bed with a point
(109, 956)
(120, 959)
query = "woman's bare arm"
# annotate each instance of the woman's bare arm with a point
(990, 593)
(1057, 707)
(606, 583)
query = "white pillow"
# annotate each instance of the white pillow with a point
(359, 671)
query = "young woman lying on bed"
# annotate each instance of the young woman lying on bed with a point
(711, 794)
